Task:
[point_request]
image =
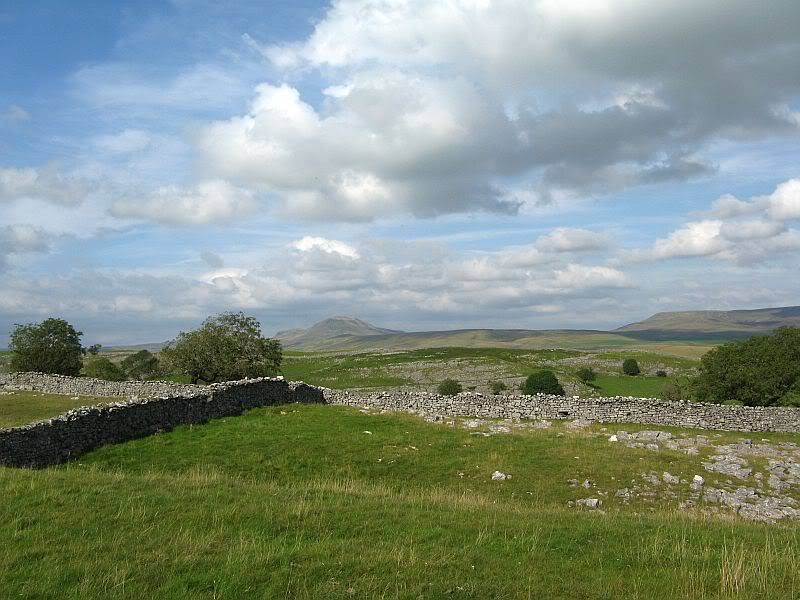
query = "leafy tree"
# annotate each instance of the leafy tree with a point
(661, 373)
(141, 365)
(52, 346)
(542, 382)
(498, 387)
(586, 374)
(675, 392)
(630, 367)
(100, 367)
(226, 347)
(93, 350)
(449, 387)
(760, 371)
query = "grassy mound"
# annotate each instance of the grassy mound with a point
(319, 501)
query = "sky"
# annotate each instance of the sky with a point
(418, 164)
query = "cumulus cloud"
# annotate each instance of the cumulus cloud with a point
(310, 243)
(45, 183)
(212, 201)
(431, 108)
(565, 239)
(21, 239)
(745, 231)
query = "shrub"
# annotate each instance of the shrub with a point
(497, 387)
(142, 365)
(100, 367)
(630, 367)
(449, 387)
(542, 382)
(586, 374)
(661, 373)
(673, 392)
(226, 347)
(52, 346)
(760, 371)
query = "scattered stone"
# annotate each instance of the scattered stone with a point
(613, 438)
(670, 479)
(589, 502)
(500, 476)
(697, 482)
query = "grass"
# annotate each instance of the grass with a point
(19, 408)
(425, 369)
(294, 502)
(624, 385)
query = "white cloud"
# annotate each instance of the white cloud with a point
(21, 239)
(784, 202)
(309, 243)
(208, 202)
(581, 277)
(701, 238)
(46, 184)
(565, 239)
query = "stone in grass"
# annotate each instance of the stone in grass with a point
(613, 438)
(589, 502)
(500, 476)
(697, 482)
(668, 478)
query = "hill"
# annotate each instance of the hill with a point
(712, 324)
(333, 331)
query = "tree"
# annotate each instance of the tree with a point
(630, 367)
(226, 347)
(586, 374)
(760, 371)
(449, 387)
(142, 365)
(497, 387)
(52, 346)
(100, 367)
(542, 382)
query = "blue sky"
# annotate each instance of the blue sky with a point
(418, 164)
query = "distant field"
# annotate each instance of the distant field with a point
(327, 502)
(477, 367)
(19, 408)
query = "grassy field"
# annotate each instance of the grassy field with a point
(477, 367)
(18, 408)
(300, 502)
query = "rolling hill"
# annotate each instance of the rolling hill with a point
(703, 327)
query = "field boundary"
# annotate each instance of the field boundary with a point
(77, 431)
(619, 409)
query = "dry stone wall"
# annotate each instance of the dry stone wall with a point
(607, 410)
(67, 436)
(98, 388)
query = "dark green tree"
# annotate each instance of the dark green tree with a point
(630, 367)
(99, 367)
(449, 387)
(52, 346)
(586, 374)
(760, 371)
(141, 365)
(226, 347)
(542, 382)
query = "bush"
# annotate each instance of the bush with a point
(630, 367)
(101, 368)
(497, 387)
(760, 371)
(586, 374)
(52, 346)
(542, 382)
(226, 347)
(142, 365)
(674, 392)
(661, 373)
(449, 387)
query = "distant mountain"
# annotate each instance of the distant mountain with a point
(334, 331)
(712, 324)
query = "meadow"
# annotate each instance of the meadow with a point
(476, 368)
(301, 502)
